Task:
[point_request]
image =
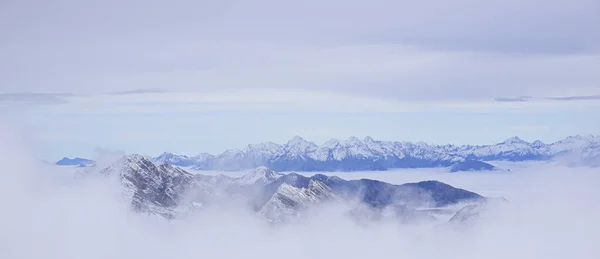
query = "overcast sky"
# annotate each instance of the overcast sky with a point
(393, 67)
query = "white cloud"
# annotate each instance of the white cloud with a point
(53, 216)
(274, 100)
(431, 50)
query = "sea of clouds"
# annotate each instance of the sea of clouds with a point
(46, 213)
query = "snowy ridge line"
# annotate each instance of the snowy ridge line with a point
(171, 192)
(369, 154)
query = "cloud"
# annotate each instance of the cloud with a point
(576, 98)
(464, 50)
(513, 99)
(142, 91)
(53, 214)
(33, 98)
(282, 100)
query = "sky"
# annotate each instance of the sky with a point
(206, 76)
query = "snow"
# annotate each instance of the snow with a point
(288, 200)
(297, 152)
(261, 175)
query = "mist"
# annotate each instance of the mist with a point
(47, 213)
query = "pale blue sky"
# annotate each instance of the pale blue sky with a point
(244, 72)
(77, 127)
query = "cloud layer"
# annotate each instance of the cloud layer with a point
(430, 50)
(53, 215)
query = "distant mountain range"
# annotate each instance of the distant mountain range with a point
(172, 192)
(354, 154)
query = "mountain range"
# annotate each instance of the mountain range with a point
(354, 154)
(171, 192)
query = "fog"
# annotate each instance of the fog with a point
(553, 213)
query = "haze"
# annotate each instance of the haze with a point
(101, 79)
(49, 214)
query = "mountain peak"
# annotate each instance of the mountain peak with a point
(368, 139)
(163, 154)
(318, 187)
(296, 140)
(514, 140)
(134, 158)
(590, 137)
(203, 156)
(298, 146)
(261, 174)
(353, 140)
(331, 143)
(164, 157)
(369, 154)
(538, 144)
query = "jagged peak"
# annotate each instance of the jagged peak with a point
(134, 157)
(234, 151)
(314, 188)
(316, 185)
(127, 163)
(203, 155)
(166, 166)
(167, 156)
(262, 174)
(264, 170)
(297, 140)
(590, 137)
(538, 143)
(173, 170)
(320, 190)
(368, 139)
(264, 145)
(352, 140)
(298, 144)
(332, 143)
(287, 189)
(513, 140)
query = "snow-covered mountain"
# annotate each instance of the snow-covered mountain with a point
(261, 175)
(288, 201)
(368, 154)
(179, 160)
(154, 189)
(170, 191)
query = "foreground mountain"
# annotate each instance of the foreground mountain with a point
(154, 189)
(288, 201)
(170, 191)
(354, 154)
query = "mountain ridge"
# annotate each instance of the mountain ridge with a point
(172, 192)
(354, 154)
